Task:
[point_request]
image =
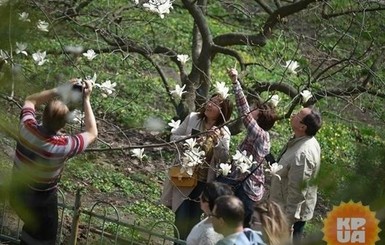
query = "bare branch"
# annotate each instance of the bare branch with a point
(327, 16)
(264, 6)
(283, 12)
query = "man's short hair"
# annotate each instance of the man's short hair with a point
(313, 122)
(230, 209)
(55, 115)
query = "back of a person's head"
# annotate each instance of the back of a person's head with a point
(230, 209)
(267, 116)
(55, 115)
(273, 221)
(313, 122)
(213, 190)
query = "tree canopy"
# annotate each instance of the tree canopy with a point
(335, 45)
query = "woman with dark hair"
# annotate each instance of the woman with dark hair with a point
(184, 201)
(203, 233)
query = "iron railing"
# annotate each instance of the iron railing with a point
(101, 224)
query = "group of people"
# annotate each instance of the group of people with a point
(292, 196)
(242, 215)
(224, 220)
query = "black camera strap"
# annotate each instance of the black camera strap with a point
(269, 159)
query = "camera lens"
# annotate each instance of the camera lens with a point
(77, 87)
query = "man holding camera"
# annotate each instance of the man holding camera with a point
(40, 155)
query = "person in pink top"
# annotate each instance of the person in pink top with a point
(41, 151)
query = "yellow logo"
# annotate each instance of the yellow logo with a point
(351, 224)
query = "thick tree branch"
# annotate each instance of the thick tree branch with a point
(283, 12)
(231, 39)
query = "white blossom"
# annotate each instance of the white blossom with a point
(39, 57)
(220, 88)
(174, 125)
(292, 66)
(138, 153)
(225, 168)
(242, 161)
(275, 99)
(274, 168)
(192, 158)
(183, 58)
(42, 25)
(239, 156)
(20, 48)
(160, 7)
(92, 79)
(190, 143)
(90, 54)
(178, 90)
(24, 17)
(107, 87)
(4, 55)
(243, 167)
(306, 95)
(188, 170)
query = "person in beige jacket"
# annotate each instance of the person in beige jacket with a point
(184, 201)
(300, 159)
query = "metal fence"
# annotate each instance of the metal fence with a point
(99, 224)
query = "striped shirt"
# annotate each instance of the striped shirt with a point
(39, 157)
(256, 143)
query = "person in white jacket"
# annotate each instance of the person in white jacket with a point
(184, 201)
(300, 159)
(203, 233)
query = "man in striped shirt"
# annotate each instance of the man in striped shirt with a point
(40, 155)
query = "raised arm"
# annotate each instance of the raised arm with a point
(240, 99)
(40, 98)
(91, 130)
(243, 106)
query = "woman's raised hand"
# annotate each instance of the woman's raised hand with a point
(233, 74)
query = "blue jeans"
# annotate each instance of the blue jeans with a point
(248, 205)
(298, 229)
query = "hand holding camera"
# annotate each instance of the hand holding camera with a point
(72, 91)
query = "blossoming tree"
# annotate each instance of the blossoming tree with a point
(325, 59)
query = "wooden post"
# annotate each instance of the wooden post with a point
(75, 219)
